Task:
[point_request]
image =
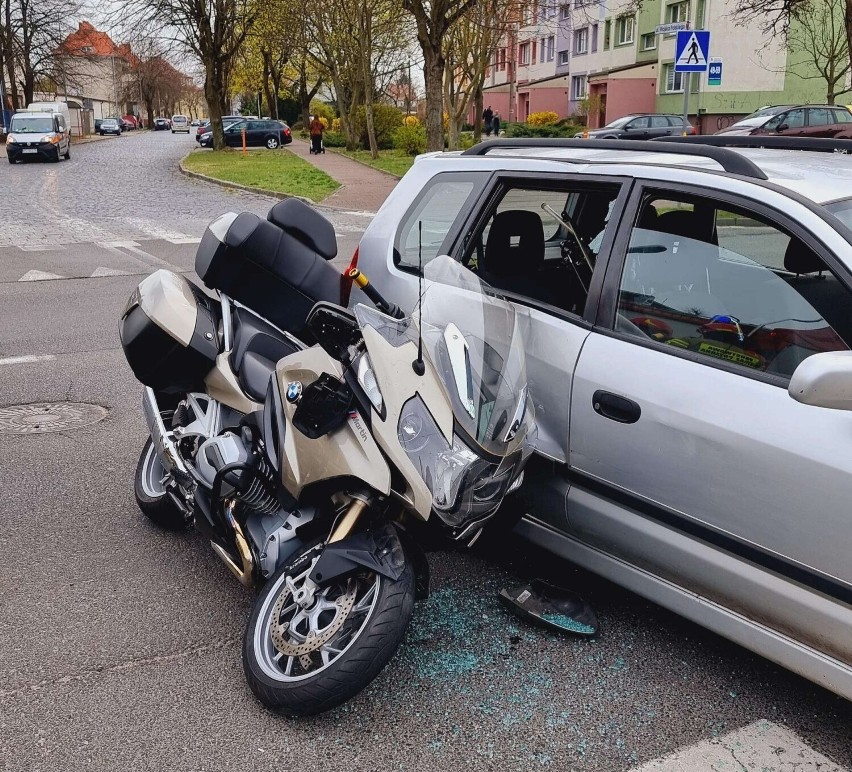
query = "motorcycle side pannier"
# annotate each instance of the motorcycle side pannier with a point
(277, 267)
(169, 333)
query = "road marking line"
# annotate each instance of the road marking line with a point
(130, 250)
(40, 276)
(117, 244)
(761, 745)
(24, 360)
(101, 271)
(42, 248)
(184, 240)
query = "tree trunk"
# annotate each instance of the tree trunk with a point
(214, 103)
(478, 107)
(847, 21)
(433, 75)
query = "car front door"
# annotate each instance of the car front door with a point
(234, 134)
(638, 128)
(681, 424)
(791, 124)
(821, 123)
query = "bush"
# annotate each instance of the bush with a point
(386, 119)
(324, 111)
(333, 139)
(525, 130)
(410, 139)
(303, 133)
(335, 125)
(547, 118)
(411, 120)
(466, 140)
(297, 126)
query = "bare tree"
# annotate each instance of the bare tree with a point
(434, 19)
(211, 30)
(818, 41)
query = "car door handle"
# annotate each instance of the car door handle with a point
(616, 408)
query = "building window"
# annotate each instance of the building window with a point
(594, 37)
(563, 57)
(524, 53)
(677, 12)
(578, 87)
(501, 60)
(674, 80)
(649, 41)
(565, 12)
(624, 30)
(581, 41)
(607, 28)
(551, 48)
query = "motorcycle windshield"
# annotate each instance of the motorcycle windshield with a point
(474, 340)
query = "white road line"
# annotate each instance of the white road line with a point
(25, 360)
(184, 240)
(130, 250)
(102, 271)
(759, 746)
(42, 248)
(40, 276)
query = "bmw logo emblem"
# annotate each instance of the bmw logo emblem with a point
(294, 391)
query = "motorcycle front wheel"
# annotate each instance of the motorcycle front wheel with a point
(302, 661)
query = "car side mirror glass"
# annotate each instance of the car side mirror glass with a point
(824, 380)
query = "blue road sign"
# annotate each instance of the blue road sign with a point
(692, 50)
(714, 72)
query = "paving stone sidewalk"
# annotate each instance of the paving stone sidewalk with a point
(362, 189)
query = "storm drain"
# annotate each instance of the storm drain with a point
(48, 417)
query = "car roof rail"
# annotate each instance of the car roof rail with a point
(812, 144)
(731, 161)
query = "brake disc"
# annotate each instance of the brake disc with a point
(280, 631)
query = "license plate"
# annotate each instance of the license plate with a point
(30, 150)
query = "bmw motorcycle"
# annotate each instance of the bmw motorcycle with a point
(312, 448)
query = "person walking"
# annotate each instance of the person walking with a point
(495, 124)
(487, 119)
(316, 129)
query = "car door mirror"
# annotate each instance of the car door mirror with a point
(824, 380)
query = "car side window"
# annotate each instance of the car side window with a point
(660, 122)
(842, 116)
(542, 243)
(437, 209)
(820, 116)
(638, 123)
(795, 119)
(729, 285)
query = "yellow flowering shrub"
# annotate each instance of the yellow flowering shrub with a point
(547, 118)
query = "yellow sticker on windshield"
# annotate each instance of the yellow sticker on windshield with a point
(731, 354)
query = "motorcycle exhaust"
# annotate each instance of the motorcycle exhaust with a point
(163, 446)
(245, 572)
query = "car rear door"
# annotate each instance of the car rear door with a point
(821, 123)
(681, 424)
(660, 126)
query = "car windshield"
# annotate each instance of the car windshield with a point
(617, 124)
(842, 210)
(31, 125)
(766, 112)
(109, 122)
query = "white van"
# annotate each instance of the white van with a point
(180, 123)
(52, 107)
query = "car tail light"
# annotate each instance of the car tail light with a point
(286, 132)
(346, 280)
(692, 130)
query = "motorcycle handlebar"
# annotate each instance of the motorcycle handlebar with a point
(363, 283)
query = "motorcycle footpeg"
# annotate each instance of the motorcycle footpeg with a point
(553, 607)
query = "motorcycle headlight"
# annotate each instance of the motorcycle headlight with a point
(368, 382)
(464, 486)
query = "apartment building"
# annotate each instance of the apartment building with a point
(606, 59)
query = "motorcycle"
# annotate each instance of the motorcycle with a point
(386, 425)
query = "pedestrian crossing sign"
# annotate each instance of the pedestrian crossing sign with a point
(692, 50)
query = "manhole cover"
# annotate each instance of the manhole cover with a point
(48, 417)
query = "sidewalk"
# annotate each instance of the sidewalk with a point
(362, 189)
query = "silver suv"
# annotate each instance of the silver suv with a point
(690, 310)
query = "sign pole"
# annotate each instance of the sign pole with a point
(687, 87)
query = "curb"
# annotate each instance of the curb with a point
(236, 186)
(364, 163)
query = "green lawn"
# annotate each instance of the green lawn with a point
(277, 170)
(395, 162)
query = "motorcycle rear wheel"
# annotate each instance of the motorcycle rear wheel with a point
(151, 494)
(369, 637)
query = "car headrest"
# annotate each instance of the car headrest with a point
(515, 243)
(648, 218)
(305, 224)
(680, 222)
(801, 259)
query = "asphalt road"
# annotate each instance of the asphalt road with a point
(119, 644)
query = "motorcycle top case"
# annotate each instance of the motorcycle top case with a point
(278, 267)
(169, 333)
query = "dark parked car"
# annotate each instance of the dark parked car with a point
(259, 133)
(204, 127)
(110, 126)
(831, 121)
(641, 126)
(161, 124)
(744, 125)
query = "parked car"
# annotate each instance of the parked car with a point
(690, 321)
(129, 122)
(195, 122)
(180, 123)
(110, 126)
(826, 121)
(227, 120)
(271, 134)
(753, 121)
(161, 124)
(641, 126)
(43, 135)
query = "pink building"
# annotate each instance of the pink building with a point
(631, 89)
